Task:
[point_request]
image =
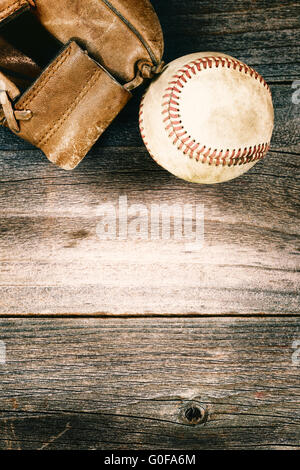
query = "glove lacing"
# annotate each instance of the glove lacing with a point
(145, 70)
(11, 115)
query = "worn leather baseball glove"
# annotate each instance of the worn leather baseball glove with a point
(78, 61)
(16, 66)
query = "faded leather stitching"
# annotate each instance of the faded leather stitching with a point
(49, 133)
(29, 98)
(11, 9)
(176, 131)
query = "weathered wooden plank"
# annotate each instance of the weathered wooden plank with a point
(264, 34)
(189, 7)
(250, 263)
(127, 383)
(52, 260)
(107, 384)
(251, 232)
(194, 21)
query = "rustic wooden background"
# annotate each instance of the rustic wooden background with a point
(139, 344)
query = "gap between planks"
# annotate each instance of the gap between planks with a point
(63, 316)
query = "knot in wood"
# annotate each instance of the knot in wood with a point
(195, 414)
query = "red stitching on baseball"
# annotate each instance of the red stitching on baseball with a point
(171, 108)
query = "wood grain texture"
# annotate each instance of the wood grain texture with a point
(250, 262)
(263, 33)
(51, 258)
(126, 384)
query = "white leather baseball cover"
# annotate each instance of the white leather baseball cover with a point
(207, 118)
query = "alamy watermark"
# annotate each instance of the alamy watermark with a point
(177, 222)
(296, 354)
(2, 352)
(296, 94)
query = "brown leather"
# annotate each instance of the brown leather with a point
(10, 8)
(8, 93)
(7, 85)
(84, 99)
(118, 33)
(19, 68)
(76, 98)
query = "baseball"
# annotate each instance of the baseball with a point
(207, 118)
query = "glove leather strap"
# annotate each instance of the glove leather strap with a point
(71, 104)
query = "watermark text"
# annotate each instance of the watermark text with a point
(2, 352)
(296, 354)
(165, 222)
(296, 94)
